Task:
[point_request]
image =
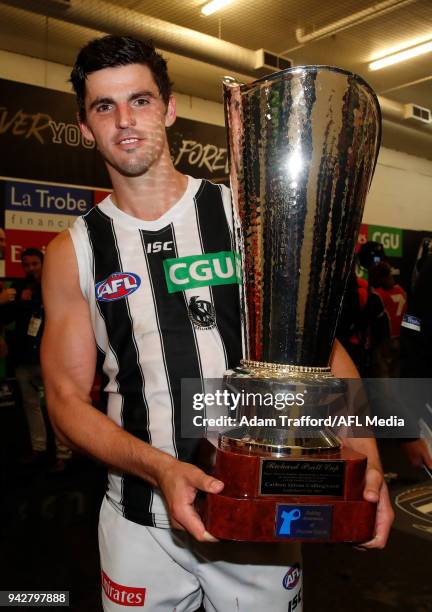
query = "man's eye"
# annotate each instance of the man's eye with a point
(141, 102)
(103, 108)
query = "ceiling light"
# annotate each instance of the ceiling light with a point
(401, 56)
(213, 6)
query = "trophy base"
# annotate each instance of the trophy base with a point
(311, 498)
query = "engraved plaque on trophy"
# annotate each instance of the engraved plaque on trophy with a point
(303, 147)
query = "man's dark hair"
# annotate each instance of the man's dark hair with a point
(113, 51)
(33, 251)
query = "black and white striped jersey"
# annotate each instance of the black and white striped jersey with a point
(164, 303)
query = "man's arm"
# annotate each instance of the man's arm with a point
(375, 488)
(68, 356)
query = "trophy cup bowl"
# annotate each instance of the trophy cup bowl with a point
(303, 146)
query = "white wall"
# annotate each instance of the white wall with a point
(401, 191)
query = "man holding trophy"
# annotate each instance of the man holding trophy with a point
(117, 284)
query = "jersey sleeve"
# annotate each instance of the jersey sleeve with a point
(83, 255)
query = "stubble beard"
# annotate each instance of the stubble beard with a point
(131, 168)
(135, 163)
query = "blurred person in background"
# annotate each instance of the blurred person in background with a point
(2, 252)
(22, 305)
(389, 348)
(385, 309)
(6, 295)
(416, 350)
(350, 330)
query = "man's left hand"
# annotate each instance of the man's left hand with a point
(376, 491)
(417, 453)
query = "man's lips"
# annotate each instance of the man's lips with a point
(129, 141)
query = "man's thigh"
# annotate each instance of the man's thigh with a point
(239, 577)
(167, 570)
(137, 571)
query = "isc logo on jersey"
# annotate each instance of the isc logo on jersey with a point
(117, 286)
(181, 273)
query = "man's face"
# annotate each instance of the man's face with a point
(126, 117)
(32, 266)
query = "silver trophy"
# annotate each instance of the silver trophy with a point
(303, 146)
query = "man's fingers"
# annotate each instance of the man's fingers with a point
(374, 481)
(208, 484)
(376, 491)
(384, 520)
(213, 485)
(176, 525)
(180, 487)
(190, 520)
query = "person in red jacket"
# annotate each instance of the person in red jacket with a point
(386, 306)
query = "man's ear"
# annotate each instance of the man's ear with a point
(171, 112)
(85, 130)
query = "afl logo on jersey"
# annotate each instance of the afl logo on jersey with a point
(117, 286)
(201, 313)
(292, 577)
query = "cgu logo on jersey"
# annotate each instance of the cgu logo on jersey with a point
(117, 286)
(193, 271)
(121, 594)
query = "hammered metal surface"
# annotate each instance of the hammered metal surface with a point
(303, 147)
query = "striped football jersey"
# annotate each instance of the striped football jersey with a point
(164, 302)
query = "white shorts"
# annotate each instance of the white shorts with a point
(163, 570)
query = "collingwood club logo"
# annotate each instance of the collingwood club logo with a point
(201, 313)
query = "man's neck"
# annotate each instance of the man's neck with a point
(151, 195)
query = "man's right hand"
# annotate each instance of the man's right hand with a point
(179, 483)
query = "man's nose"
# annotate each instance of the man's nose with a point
(125, 116)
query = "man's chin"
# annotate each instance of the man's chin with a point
(134, 172)
(130, 170)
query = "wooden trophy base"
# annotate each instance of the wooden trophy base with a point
(312, 498)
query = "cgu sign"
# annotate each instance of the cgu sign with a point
(389, 237)
(181, 273)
